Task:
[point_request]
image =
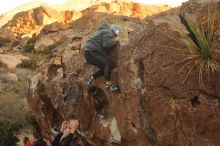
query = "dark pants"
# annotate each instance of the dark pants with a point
(101, 61)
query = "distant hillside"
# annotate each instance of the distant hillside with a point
(9, 15)
(27, 23)
(75, 5)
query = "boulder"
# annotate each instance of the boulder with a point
(53, 38)
(161, 102)
(66, 64)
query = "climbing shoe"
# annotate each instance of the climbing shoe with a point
(89, 80)
(89, 83)
(112, 87)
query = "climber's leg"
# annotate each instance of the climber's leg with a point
(111, 87)
(105, 66)
(97, 59)
(107, 73)
(99, 73)
(109, 66)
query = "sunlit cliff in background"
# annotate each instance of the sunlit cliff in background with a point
(30, 18)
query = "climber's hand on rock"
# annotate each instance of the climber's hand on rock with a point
(64, 126)
(117, 39)
(74, 124)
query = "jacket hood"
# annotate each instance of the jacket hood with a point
(103, 26)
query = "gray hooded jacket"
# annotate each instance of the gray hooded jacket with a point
(102, 40)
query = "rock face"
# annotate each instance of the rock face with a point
(159, 103)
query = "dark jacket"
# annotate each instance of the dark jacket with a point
(67, 142)
(102, 40)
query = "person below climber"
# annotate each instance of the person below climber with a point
(96, 49)
(73, 125)
(27, 141)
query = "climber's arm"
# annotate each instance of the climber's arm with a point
(56, 141)
(68, 140)
(108, 40)
(74, 124)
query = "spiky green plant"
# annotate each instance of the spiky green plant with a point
(200, 43)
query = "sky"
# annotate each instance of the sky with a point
(10, 4)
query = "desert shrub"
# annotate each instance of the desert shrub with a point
(200, 42)
(8, 132)
(32, 63)
(29, 63)
(49, 48)
(28, 48)
(30, 45)
(13, 107)
(5, 78)
(4, 42)
(14, 43)
(13, 90)
(13, 104)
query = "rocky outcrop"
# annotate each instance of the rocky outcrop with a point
(70, 71)
(128, 9)
(160, 103)
(27, 23)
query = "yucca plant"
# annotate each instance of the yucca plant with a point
(200, 42)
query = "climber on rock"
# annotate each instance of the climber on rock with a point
(96, 49)
(72, 125)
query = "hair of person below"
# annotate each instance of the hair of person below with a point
(25, 139)
(40, 142)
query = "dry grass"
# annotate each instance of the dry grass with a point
(13, 108)
(13, 104)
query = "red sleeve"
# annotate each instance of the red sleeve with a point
(29, 144)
